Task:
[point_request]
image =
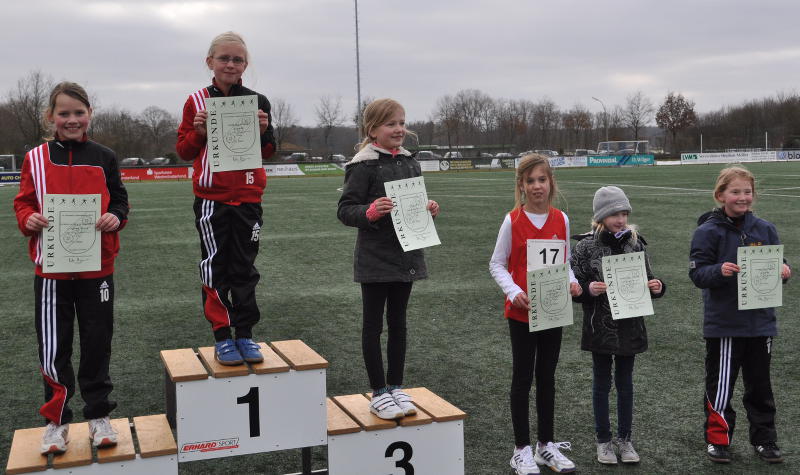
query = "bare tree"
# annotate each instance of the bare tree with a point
(329, 115)
(638, 112)
(27, 104)
(447, 117)
(283, 121)
(159, 124)
(675, 114)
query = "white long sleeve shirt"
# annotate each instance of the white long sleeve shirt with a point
(498, 264)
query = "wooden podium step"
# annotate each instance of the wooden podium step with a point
(222, 411)
(157, 454)
(432, 441)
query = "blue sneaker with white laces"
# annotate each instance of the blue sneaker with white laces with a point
(226, 353)
(249, 350)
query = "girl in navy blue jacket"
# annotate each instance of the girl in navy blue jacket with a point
(735, 339)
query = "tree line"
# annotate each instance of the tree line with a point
(468, 117)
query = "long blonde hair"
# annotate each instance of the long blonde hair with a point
(597, 228)
(377, 113)
(526, 164)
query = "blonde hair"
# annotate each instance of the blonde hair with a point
(526, 164)
(728, 174)
(377, 113)
(597, 228)
(228, 37)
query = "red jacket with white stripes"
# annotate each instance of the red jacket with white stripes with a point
(70, 167)
(242, 186)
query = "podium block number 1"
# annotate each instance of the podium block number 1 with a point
(251, 399)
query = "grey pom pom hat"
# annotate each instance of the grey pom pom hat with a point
(609, 200)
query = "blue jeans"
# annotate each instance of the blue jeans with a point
(601, 387)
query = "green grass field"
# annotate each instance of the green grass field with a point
(458, 339)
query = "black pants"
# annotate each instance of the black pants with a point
(375, 297)
(601, 388)
(534, 354)
(229, 237)
(57, 303)
(724, 358)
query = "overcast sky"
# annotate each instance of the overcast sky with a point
(136, 53)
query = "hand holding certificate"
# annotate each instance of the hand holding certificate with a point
(234, 139)
(759, 278)
(625, 276)
(412, 221)
(71, 241)
(550, 301)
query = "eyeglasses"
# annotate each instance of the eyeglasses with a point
(237, 60)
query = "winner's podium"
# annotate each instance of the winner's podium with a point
(222, 411)
(156, 453)
(432, 441)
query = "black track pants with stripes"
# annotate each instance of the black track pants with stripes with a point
(229, 237)
(724, 358)
(58, 303)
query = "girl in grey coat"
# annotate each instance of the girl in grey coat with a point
(385, 272)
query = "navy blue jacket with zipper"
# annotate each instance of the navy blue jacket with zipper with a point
(716, 241)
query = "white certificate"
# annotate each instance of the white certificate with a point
(759, 277)
(412, 221)
(625, 276)
(70, 242)
(545, 252)
(234, 139)
(550, 301)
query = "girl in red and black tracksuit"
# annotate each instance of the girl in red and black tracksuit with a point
(534, 354)
(72, 164)
(735, 339)
(227, 208)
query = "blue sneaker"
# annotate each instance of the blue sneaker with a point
(249, 350)
(226, 353)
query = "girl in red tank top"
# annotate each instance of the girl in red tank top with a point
(534, 354)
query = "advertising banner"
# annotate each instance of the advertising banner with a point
(789, 155)
(9, 177)
(146, 174)
(732, 157)
(320, 168)
(620, 160)
(279, 169)
(429, 165)
(561, 162)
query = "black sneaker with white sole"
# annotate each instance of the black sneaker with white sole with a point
(718, 453)
(769, 452)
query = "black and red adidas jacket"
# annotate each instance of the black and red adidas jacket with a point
(242, 186)
(71, 167)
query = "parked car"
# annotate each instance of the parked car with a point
(547, 153)
(158, 161)
(583, 152)
(132, 162)
(504, 155)
(486, 155)
(296, 157)
(427, 155)
(452, 155)
(338, 158)
(317, 158)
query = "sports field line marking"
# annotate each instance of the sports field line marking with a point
(785, 188)
(639, 186)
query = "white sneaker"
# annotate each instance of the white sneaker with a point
(384, 407)
(522, 461)
(605, 453)
(54, 440)
(626, 451)
(101, 432)
(403, 401)
(550, 455)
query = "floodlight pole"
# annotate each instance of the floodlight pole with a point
(605, 114)
(358, 76)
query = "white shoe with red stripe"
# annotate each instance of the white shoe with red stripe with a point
(101, 432)
(54, 440)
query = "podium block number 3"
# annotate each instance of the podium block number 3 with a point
(403, 463)
(251, 399)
